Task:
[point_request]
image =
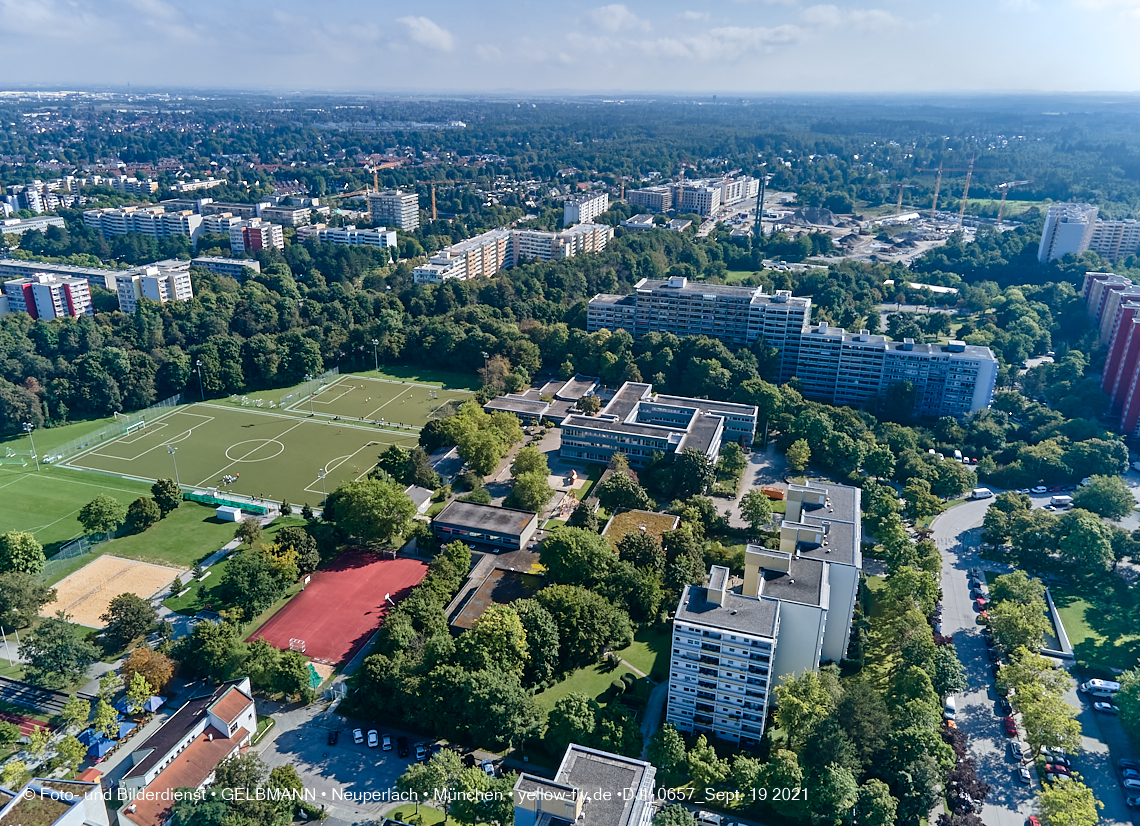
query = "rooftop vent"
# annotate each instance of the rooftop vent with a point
(908, 344)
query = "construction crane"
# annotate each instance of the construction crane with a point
(900, 188)
(681, 188)
(434, 214)
(1005, 188)
(969, 170)
(758, 223)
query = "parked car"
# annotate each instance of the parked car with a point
(1016, 749)
(1132, 802)
(1039, 489)
(1023, 774)
(1032, 820)
(993, 654)
(373, 739)
(1005, 706)
(1131, 783)
(402, 746)
(983, 617)
(435, 748)
(1023, 490)
(386, 742)
(488, 767)
(1129, 764)
(1009, 726)
(357, 736)
(1106, 708)
(421, 751)
(1131, 774)
(1057, 768)
(1054, 778)
(980, 603)
(333, 736)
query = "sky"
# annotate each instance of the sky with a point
(743, 47)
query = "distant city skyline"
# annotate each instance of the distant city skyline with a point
(640, 46)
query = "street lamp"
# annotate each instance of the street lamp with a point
(171, 449)
(309, 378)
(28, 426)
(201, 387)
(486, 359)
(375, 356)
(321, 476)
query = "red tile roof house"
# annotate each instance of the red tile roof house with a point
(183, 753)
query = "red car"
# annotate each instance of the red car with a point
(1009, 726)
(1032, 821)
(1057, 768)
(980, 603)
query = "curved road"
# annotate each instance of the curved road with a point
(957, 532)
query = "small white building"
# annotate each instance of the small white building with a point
(227, 514)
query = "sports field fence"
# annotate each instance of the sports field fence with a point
(124, 423)
(309, 387)
(83, 546)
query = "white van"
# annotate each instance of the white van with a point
(981, 493)
(950, 708)
(1061, 501)
(1100, 688)
(958, 455)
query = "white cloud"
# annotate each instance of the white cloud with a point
(833, 17)
(721, 43)
(427, 32)
(615, 17)
(488, 52)
(695, 15)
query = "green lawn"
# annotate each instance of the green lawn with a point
(738, 276)
(650, 652)
(593, 474)
(427, 815)
(50, 438)
(1099, 614)
(47, 503)
(201, 593)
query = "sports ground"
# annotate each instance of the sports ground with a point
(278, 455)
(342, 606)
(379, 400)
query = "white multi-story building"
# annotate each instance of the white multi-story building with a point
(483, 255)
(1115, 240)
(233, 267)
(129, 186)
(583, 209)
(94, 276)
(196, 184)
(1068, 230)
(395, 208)
(287, 216)
(656, 199)
(219, 223)
(155, 283)
(49, 296)
(154, 221)
(832, 365)
(349, 234)
(244, 211)
(254, 235)
(489, 252)
(703, 196)
(40, 223)
(735, 640)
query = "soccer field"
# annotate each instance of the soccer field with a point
(379, 400)
(272, 455)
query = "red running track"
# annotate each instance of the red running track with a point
(342, 606)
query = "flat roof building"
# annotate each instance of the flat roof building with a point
(48, 296)
(255, 234)
(395, 208)
(233, 267)
(154, 283)
(583, 209)
(637, 423)
(590, 788)
(44, 801)
(348, 235)
(733, 641)
(40, 223)
(639, 222)
(287, 216)
(487, 253)
(485, 527)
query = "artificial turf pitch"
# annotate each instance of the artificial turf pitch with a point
(379, 400)
(274, 456)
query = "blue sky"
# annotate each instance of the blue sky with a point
(726, 46)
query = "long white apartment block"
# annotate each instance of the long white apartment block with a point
(583, 209)
(734, 640)
(154, 221)
(349, 235)
(833, 365)
(702, 196)
(489, 252)
(254, 234)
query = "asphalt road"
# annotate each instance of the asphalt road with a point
(957, 533)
